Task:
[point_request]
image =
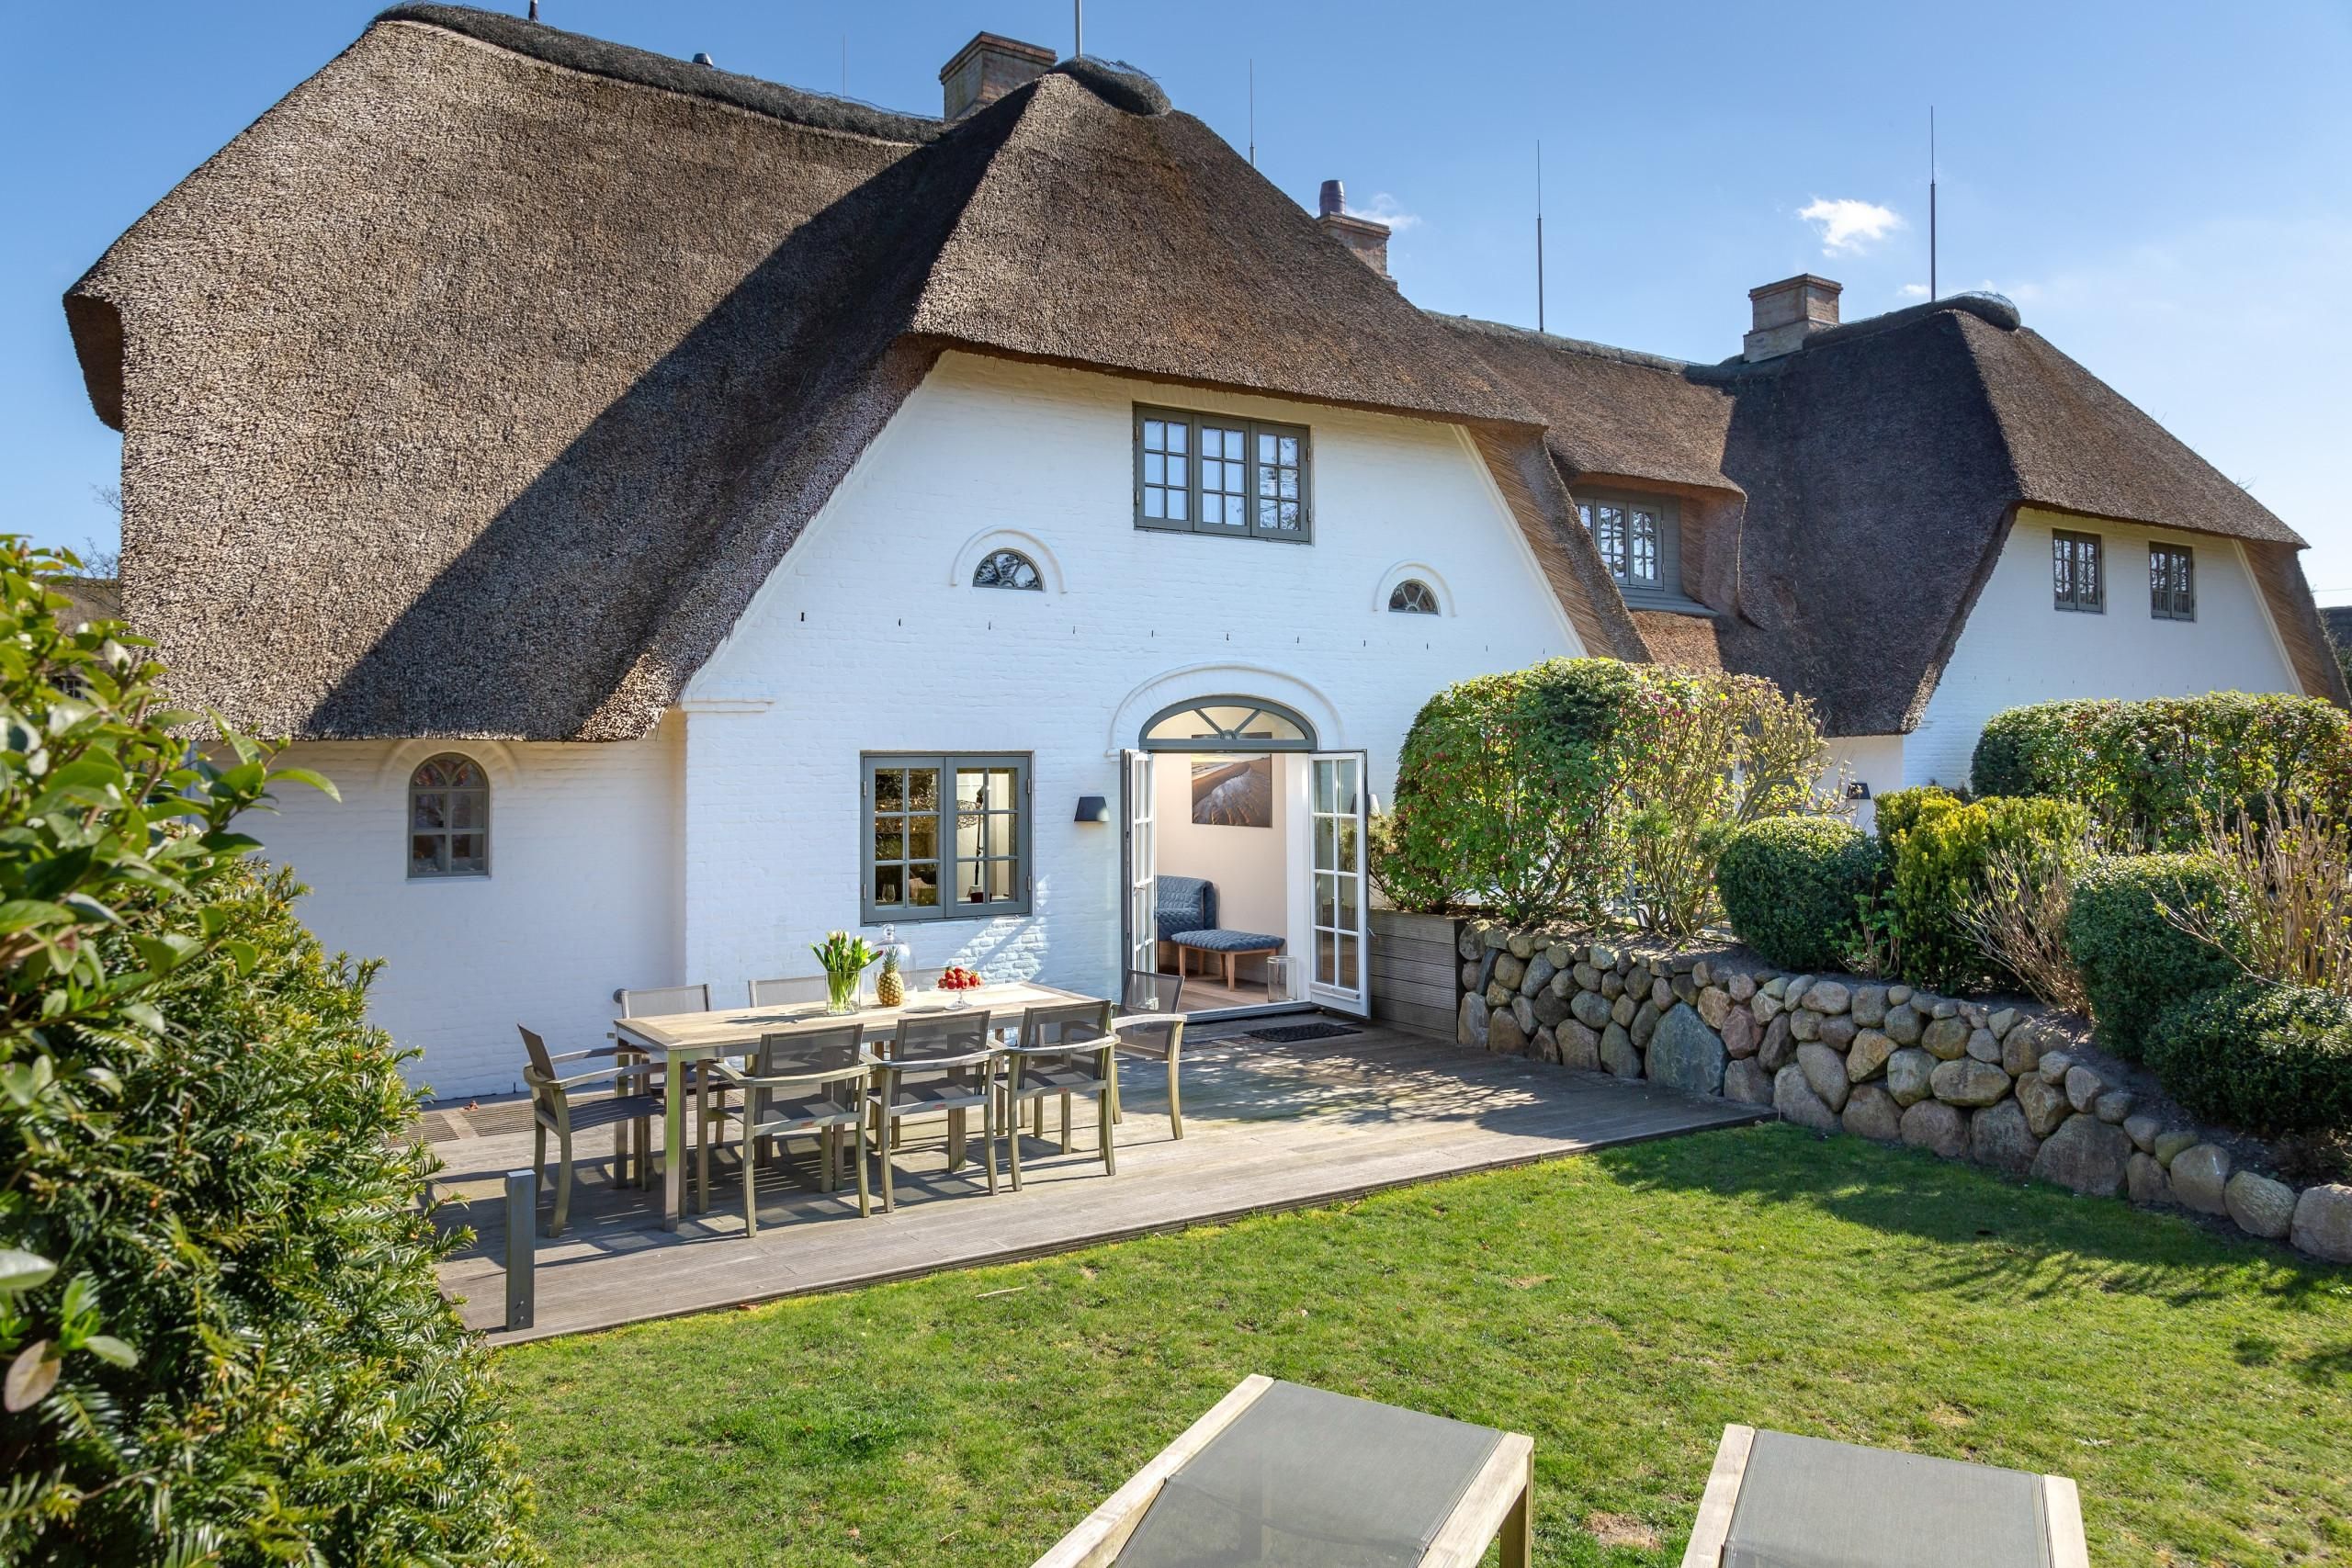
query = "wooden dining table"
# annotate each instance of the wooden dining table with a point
(680, 1038)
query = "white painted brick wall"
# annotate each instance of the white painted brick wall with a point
(2017, 648)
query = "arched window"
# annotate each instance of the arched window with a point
(1007, 568)
(448, 817)
(1413, 597)
(1227, 724)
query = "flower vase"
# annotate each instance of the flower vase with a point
(840, 992)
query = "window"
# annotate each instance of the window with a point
(1207, 474)
(946, 838)
(2078, 577)
(2172, 583)
(1227, 724)
(448, 817)
(1413, 597)
(1007, 568)
(1637, 538)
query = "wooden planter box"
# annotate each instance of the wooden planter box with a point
(1416, 971)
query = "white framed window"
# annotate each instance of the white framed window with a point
(1201, 473)
(2172, 583)
(2078, 572)
(945, 837)
(448, 817)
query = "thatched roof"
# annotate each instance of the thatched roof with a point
(476, 387)
(1882, 463)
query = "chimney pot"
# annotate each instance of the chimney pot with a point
(986, 69)
(1367, 239)
(705, 59)
(1333, 202)
(1788, 312)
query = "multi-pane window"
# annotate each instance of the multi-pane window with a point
(1207, 474)
(1007, 568)
(945, 837)
(2078, 572)
(448, 817)
(1413, 597)
(1631, 537)
(2172, 583)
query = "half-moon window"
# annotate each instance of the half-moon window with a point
(1007, 568)
(1412, 597)
(448, 817)
(1227, 724)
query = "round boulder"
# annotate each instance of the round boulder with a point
(2086, 1154)
(1685, 1054)
(2199, 1177)
(1933, 1125)
(2260, 1206)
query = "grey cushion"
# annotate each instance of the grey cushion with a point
(1809, 1503)
(1228, 941)
(1186, 904)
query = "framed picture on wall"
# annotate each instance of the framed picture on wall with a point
(1233, 792)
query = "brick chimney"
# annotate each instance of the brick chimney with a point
(1367, 239)
(986, 69)
(1788, 312)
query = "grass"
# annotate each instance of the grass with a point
(1621, 1308)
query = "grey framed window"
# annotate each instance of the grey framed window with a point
(448, 817)
(945, 837)
(2172, 583)
(1227, 724)
(2078, 572)
(1640, 539)
(1413, 597)
(1007, 568)
(1198, 473)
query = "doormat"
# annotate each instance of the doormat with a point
(1290, 1034)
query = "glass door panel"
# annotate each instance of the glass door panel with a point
(1142, 865)
(1336, 967)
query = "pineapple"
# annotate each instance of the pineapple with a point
(890, 989)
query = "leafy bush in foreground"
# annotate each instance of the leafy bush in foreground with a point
(1942, 864)
(1792, 887)
(2271, 1059)
(2136, 960)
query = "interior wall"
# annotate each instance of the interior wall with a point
(1248, 864)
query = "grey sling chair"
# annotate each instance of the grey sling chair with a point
(797, 1083)
(935, 1062)
(1150, 1026)
(1065, 1049)
(552, 1110)
(656, 1001)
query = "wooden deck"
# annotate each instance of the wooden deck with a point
(1266, 1126)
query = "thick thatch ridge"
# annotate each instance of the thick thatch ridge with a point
(670, 308)
(1894, 450)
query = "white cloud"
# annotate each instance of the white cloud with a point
(1913, 291)
(1848, 225)
(1386, 209)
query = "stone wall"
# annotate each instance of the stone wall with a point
(1966, 1080)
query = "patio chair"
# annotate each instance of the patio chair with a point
(803, 1083)
(653, 1001)
(1281, 1473)
(1775, 1500)
(1150, 1026)
(552, 1110)
(933, 1063)
(784, 993)
(1065, 1049)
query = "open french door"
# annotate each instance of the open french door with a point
(1340, 959)
(1140, 861)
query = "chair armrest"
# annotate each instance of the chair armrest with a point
(1127, 1021)
(925, 1063)
(601, 1075)
(636, 1051)
(748, 1081)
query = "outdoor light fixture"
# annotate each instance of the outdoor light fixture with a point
(1093, 809)
(1857, 789)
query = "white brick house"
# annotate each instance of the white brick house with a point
(645, 438)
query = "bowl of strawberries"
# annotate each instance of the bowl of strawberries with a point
(959, 983)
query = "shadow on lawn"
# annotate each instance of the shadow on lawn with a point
(2001, 1238)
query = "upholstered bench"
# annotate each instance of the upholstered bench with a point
(1227, 945)
(1187, 920)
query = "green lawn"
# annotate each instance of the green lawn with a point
(1620, 1307)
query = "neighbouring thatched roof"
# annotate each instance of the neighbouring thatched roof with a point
(476, 387)
(1882, 463)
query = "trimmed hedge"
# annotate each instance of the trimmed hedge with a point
(1901, 810)
(1793, 885)
(2267, 1058)
(1941, 850)
(2134, 961)
(2146, 769)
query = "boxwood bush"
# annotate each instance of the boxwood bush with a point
(218, 1310)
(2134, 961)
(2269, 1059)
(1942, 849)
(1792, 887)
(2145, 770)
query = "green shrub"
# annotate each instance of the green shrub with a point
(2269, 1059)
(2147, 770)
(1941, 862)
(1901, 810)
(2134, 961)
(1792, 887)
(217, 1302)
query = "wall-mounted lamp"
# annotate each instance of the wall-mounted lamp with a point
(1857, 789)
(1093, 809)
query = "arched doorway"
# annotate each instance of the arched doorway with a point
(1228, 793)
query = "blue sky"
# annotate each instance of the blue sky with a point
(2165, 190)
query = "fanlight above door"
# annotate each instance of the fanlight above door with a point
(1227, 724)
